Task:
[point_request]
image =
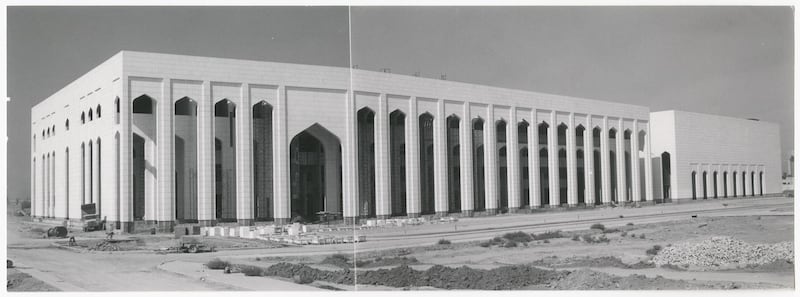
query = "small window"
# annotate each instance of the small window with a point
(83, 118)
(54, 130)
(90, 115)
(98, 111)
(66, 125)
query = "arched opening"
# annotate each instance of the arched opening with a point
(628, 166)
(143, 157)
(524, 185)
(66, 125)
(426, 164)
(562, 164)
(97, 110)
(478, 166)
(644, 156)
(744, 188)
(714, 176)
(116, 110)
(453, 165)
(185, 158)
(725, 184)
(666, 175)
(225, 160)
(544, 184)
(752, 183)
(90, 115)
(502, 166)
(397, 150)
(612, 164)
(598, 169)
(138, 179)
(705, 185)
(734, 184)
(83, 172)
(99, 175)
(316, 173)
(117, 190)
(694, 185)
(580, 164)
(761, 183)
(366, 162)
(83, 119)
(262, 161)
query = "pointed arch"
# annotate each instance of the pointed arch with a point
(478, 165)
(262, 161)
(426, 163)
(185, 160)
(366, 163)
(453, 124)
(397, 152)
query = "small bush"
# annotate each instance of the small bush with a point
(518, 236)
(623, 234)
(629, 224)
(546, 241)
(302, 279)
(576, 237)
(497, 240)
(654, 250)
(633, 235)
(486, 244)
(547, 235)
(217, 264)
(602, 239)
(360, 263)
(611, 230)
(252, 270)
(258, 258)
(587, 238)
(443, 241)
(597, 227)
(510, 244)
(641, 236)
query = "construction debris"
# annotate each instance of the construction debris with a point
(723, 252)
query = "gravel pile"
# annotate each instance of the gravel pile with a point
(724, 252)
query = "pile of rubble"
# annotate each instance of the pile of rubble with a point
(400, 222)
(295, 234)
(723, 252)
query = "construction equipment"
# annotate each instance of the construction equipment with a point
(90, 218)
(192, 245)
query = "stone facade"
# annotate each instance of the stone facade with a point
(156, 139)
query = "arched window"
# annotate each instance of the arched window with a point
(54, 130)
(98, 111)
(90, 115)
(83, 118)
(116, 112)
(66, 125)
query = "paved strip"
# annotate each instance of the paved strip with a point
(47, 278)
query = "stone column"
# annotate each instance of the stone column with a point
(383, 206)
(490, 157)
(124, 170)
(512, 161)
(636, 195)
(572, 167)
(605, 163)
(412, 160)
(465, 143)
(206, 184)
(533, 162)
(244, 158)
(552, 160)
(648, 166)
(350, 162)
(440, 180)
(165, 184)
(280, 155)
(588, 158)
(622, 189)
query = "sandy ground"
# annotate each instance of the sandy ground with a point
(661, 224)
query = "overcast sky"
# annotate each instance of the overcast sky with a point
(734, 61)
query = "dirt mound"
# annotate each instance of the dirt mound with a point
(114, 245)
(587, 261)
(387, 261)
(586, 279)
(723, 252)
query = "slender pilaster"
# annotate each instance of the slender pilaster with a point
(622, 190)
(512, 161)
(572, 167)
(124, 170)
(490, 155)
(46, 197)
(588, 158)
(412, 160)
(648, 166)
(350, 162)
(605, 162)
(52, 209)
(383, 206)
(635, 179)
(440, 160)
(533, 162)
(244, 159)
(465, 145)
(205, 160)
(280, 155)
(552, 160)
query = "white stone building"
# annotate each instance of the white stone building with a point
(157, 139)
(701, 156)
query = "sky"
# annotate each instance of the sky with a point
(733, 61)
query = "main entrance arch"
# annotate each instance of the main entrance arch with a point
(316, 173)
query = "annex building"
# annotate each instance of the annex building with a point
(157, 139)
